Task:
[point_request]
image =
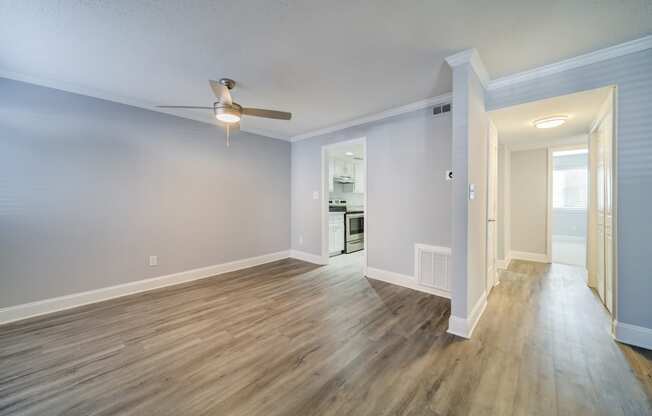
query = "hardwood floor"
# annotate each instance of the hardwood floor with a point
(291, 338)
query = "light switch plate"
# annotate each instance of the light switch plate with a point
(153, 260)
(471, 191)
(315, 194)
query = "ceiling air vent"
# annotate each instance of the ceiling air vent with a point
(441, 109)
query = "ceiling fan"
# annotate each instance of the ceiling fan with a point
(229, 112)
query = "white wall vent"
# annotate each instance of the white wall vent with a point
(432, 267)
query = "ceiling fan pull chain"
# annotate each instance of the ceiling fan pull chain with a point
(228, 138)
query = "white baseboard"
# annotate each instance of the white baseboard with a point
(464, 327)
(503, 263)
(527, 256)
(310, 258)
(404, 280)
(633, 335)
(42, 307)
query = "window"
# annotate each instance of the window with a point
(570, 180)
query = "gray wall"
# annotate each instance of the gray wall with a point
(529, 200)
(477, 213)
(503, 165)
(90, 188)
(570, 222)
(633, 76)
(408, 198)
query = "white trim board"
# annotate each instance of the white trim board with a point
(527, 256)
(633, 46)
(404, 280)
(471, 57)
(633, 335)
(307, 257)
(107, 96)
(503, 263)
(464, 327)
(408, 108)
(46, 306)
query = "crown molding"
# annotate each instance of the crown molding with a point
(104, 95)
(440, 99)
(600, 55)
(471, 57)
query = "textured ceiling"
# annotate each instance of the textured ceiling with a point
(326, 61)
(515, 126)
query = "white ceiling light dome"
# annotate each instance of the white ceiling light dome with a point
(550, 122)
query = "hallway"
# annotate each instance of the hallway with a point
(556, 327)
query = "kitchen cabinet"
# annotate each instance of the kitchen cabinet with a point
(343, 168)
(353, 169)
(358, 177)
(331, 175)
(335, 233)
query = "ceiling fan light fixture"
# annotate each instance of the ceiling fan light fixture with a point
(228, 118)
(228, 114)
(550, 122)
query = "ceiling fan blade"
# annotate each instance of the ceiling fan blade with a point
(221, 92)
(259, 112)
(184, 106)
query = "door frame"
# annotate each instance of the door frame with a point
(491, 128)
(552, 149)
(325, 258)
(611, 102)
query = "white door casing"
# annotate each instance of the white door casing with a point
(601, 262)
(492, 208)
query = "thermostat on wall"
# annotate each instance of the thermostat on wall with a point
(449, 175)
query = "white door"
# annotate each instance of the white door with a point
(600, 211)
(607, 133)
(492, 198)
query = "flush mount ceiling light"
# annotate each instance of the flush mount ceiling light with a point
(349, 153)
(550, 122)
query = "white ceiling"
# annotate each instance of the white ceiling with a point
(515, 124)
(326, 61)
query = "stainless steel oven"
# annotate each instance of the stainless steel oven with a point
(354, 225)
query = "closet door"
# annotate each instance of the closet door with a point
(600, 211)
(607, 134)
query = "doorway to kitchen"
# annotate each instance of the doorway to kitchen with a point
(344, 180)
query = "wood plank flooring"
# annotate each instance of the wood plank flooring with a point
(291, 338)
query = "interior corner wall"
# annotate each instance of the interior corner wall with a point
(89, 189)
(477, 222)
(470, 122)
(408, 196)
(459, 219)
(632, 74)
